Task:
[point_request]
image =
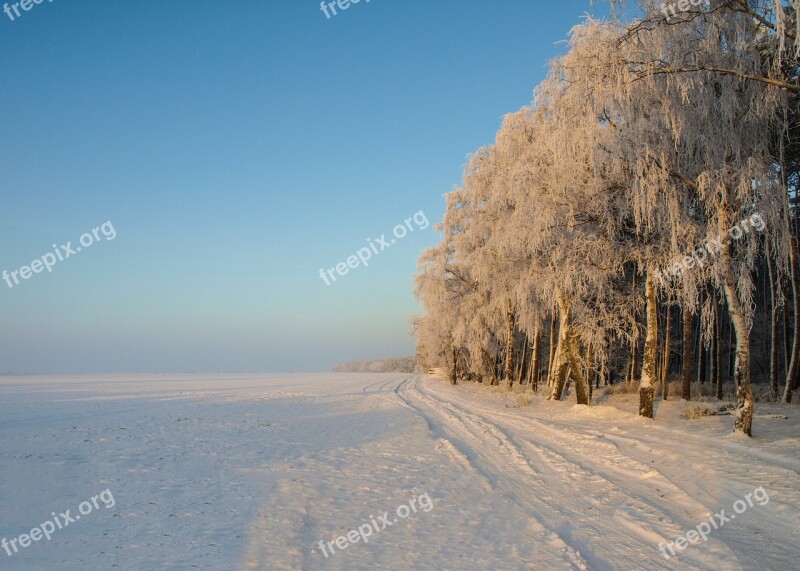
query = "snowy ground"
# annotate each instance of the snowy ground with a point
(251, 472)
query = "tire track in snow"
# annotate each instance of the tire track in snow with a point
(382, 390)
(644, 522)
(383, 383)
(496, 460)
(693, 453)
(708, 478)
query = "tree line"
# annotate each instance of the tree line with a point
(637, 220)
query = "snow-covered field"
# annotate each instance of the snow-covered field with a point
(253, 471)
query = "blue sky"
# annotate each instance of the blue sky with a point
(237, 147)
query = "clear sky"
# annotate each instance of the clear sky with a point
(237, 147)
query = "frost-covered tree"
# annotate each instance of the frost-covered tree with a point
(724, 102)
(648, 143)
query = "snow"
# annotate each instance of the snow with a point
(252, 471)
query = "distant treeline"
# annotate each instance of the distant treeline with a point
(387, 365)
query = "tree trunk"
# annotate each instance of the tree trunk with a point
(646, 388)
(492, 366)
(626, 377)
(635, 358)
(660, 351)
(744, 408)
(773, 327)
(633, 373)
(567, 358)
(701, 353)
(716, 332)
(582, 390)
(553, 345)
(791, 374)
(559, 363)
(787, 347)
(524, 363)
(687, 352)
(508, 369)
(718, 346)
(454, 370)
(590, 369)
(701, 364)
(731, 352)
(667, 350)
(537, 337)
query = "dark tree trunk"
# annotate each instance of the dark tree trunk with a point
(590, 370)
(731, 352)
(773, 327)
(534, 373)
(553, 345)
(787, 347)
(794, 362)
(508, 368)
(667, 350)
(718, 346)
(687, 353)
(701, 352)
(524, 362)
